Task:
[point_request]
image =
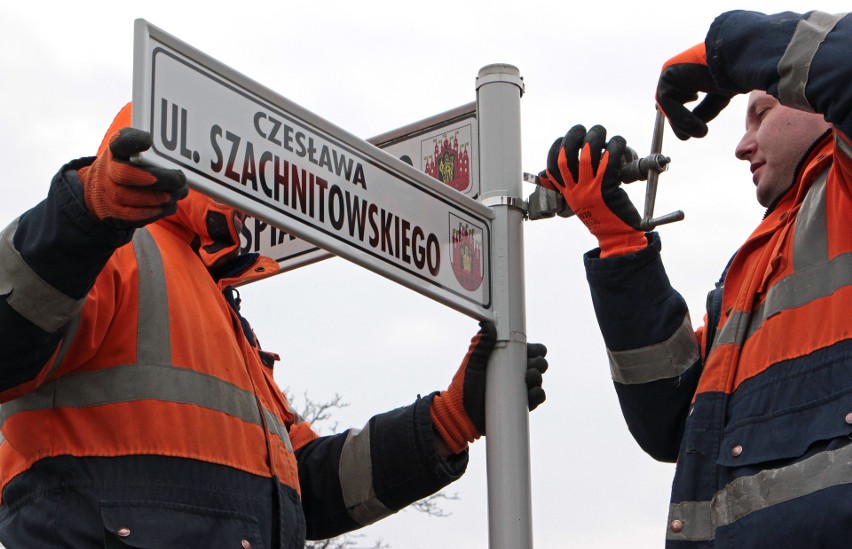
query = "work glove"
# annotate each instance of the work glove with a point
(591, 186)
(124, 194)
(682, 77)
(458, 413)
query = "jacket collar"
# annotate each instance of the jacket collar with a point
(817, 158)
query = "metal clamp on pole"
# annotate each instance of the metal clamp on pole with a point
(545, 203)
(510, 201)
(656, 163)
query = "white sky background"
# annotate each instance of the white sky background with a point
(373, 66)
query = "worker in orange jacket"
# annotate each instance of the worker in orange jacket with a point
(755, 405)
(138, 408)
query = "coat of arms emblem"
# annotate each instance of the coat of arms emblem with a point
(466, 253)
(450, 163)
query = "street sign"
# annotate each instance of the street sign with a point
(248, 146)
(291, 252)
(444, 146)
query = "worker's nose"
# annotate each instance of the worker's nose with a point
(746, 147)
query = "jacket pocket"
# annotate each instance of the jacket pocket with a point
(789, 411)
(155, 525)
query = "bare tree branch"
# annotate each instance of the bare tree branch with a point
(320, 414)
(346, 541)
(431, 504)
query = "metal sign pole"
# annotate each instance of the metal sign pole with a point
(499, 89)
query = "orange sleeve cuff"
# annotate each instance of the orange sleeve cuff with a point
(456, 432)
(624, 244)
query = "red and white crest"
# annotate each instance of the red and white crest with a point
(466, 253)
(449, 163)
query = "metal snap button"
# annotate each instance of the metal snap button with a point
(123, 532)
(737, 450)
(677, 526)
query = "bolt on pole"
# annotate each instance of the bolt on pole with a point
(499, 88)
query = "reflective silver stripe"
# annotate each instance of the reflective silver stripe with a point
(795, 64)
(697, 519)
(278, 428)
(153, 338)
(810, 243)
(297, 417)
(802, 288)
(813, 276)
(134, 382)
(28, 294)
(841, 144)
(67, 340)
(733, 332)
(746, 495)
(665, 360)
(152, 377)
(356, 479)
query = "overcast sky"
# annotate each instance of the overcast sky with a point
(373, 66)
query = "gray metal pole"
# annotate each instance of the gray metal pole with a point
(499, 88)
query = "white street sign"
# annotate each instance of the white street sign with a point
(291, 252)
(444, 146)
(247, 146)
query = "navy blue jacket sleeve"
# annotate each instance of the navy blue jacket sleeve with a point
(654, 356)
(801, 59)
(50, 258)
(357, 477)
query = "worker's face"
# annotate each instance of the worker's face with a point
(775, 140)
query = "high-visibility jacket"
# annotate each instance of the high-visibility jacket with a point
(137, 404)
(755, 406)
(140, 366)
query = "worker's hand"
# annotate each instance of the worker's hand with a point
(536, 366)
(591, 186)
(458, 413)
(124, 194)
(682, 77)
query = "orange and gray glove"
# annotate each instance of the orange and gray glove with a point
(458, 414)
(124, 194)
(682, 77)
(591, 186)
